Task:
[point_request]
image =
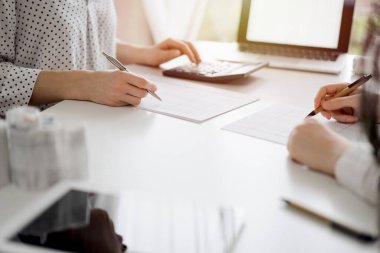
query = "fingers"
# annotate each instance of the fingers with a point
(195, 52)
(130, 100)
(328, 90)
(326, 114)
(340, 103)
(344, 118)
(138, 81)
(184, 47)
(132, 89)
(170, 54)
(341, 109)
(135, 91)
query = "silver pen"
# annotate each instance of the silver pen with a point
(120, 66)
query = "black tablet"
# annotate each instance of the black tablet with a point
(85, 221)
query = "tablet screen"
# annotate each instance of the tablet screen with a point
(81, 221)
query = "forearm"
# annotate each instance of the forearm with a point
(358, 170)
(130, 54)
(55, 86)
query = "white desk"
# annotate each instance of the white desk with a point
(134, 149)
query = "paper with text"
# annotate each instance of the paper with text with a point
(276, 122)
(191, 101)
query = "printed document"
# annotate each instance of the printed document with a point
(191, 101)
(276, 122)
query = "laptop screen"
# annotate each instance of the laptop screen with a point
(323, 24)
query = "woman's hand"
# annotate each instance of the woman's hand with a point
(168, 50)
(113, 88)
(157, 54)
(117, 88)
(316, 146)
(343, 109)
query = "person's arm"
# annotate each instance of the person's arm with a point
(316, 146)
(353, 164)
(157, 54)
(114, 88)
(22, 86)
(358, 170)
(105, 87)
(16, 83)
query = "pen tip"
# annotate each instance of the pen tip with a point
(311, 114)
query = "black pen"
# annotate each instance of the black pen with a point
(362, 236)
(350, 88)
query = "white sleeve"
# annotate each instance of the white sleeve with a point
(16, 82)
(358, 170)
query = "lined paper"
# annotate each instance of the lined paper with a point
(191, 101)
(276, 122)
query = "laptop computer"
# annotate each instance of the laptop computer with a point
(303, 35)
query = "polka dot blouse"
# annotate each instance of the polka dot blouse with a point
(40, 35)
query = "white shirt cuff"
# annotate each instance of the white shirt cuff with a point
(357, 170)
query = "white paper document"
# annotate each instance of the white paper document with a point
(190, 100)
(276, 122)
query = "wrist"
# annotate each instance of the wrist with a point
(78, 85)
(145, 55)
(129, 54)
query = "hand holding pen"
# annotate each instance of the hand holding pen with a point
(121, 67)
(339, 101)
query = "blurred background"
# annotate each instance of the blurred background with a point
(149, 21)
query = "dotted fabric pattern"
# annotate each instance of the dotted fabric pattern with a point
(40, 35)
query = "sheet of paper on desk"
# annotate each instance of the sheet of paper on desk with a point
(276, 122)
(190, 100)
